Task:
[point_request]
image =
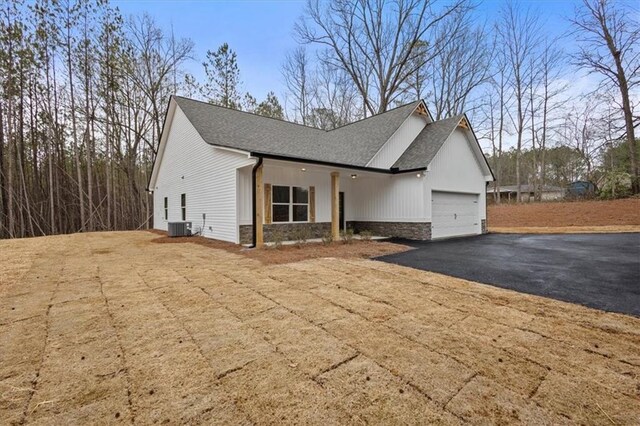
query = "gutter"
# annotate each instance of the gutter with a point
(391, 171)
(253, 198)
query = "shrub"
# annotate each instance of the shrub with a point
(300, 235)
(277, 236)
(365, 235)
(347, 236)
(327, 238)
(616, 184)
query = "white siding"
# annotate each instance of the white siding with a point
(398, 142)
(292, 175)
(387, 198)
(207, 175)
(286, 174)
(245, 195)
(455, 168)
(369, 197)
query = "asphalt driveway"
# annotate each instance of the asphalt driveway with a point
(597, 270)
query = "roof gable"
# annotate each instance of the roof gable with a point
(429, 142)
(353, 144)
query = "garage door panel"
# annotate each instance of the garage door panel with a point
(454, 214)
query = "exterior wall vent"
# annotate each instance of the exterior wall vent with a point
(179, 229)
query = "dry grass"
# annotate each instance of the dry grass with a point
(578, 214)
(109, 327)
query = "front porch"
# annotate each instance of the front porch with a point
(299, 201)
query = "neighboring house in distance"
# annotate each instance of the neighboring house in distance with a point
(240, 177)
(527, 193)
(581, 189)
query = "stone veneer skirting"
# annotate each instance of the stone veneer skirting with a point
(288, 231)
(483, 226)
(409, 230)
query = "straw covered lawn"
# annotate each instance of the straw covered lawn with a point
(110, 327)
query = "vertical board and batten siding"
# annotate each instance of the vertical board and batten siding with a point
(245, 195)
(387, 198)
(456, 168)
(369, 197)
(287, 174)
(398, 142)
(206, 174)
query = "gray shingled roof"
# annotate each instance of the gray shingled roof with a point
(354, 144)
(427, 144)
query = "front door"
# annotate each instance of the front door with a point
(341, 210)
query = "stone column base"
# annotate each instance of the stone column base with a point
(286, 231)
(408, 230)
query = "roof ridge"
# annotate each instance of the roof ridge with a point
(249, 113)
(375, 115)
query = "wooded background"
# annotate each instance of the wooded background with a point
(83, 93)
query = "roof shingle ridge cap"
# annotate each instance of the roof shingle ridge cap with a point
(249, 113)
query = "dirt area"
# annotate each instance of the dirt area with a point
(359, 249)
(110, 327)
(619, 214)
(610, 229)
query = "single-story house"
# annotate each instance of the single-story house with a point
(527, 192)
(242, 177)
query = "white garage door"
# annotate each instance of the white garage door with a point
(454, 214)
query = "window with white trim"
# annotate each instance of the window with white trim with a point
(289, 204)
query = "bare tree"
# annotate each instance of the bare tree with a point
(461, 66)
(584, 131)
(609, 37)
(374, 42)
(298, 76)
(155, 59)
(70, 17)
(76, 146)
(548, 100)
(335, 99)
(519, 34)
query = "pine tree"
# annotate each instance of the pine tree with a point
(270, 107)
(223, 78)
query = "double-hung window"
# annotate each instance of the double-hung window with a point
(289, 204)
(183, 206)
(166, 208)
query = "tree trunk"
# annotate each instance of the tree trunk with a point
(626, 107)
(3, 189)
(74, 130)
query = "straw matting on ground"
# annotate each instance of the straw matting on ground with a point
(565, 213)
(109, 327)
(611, 229)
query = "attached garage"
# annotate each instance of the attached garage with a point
(454, 214)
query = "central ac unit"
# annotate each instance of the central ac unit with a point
(179, 229)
